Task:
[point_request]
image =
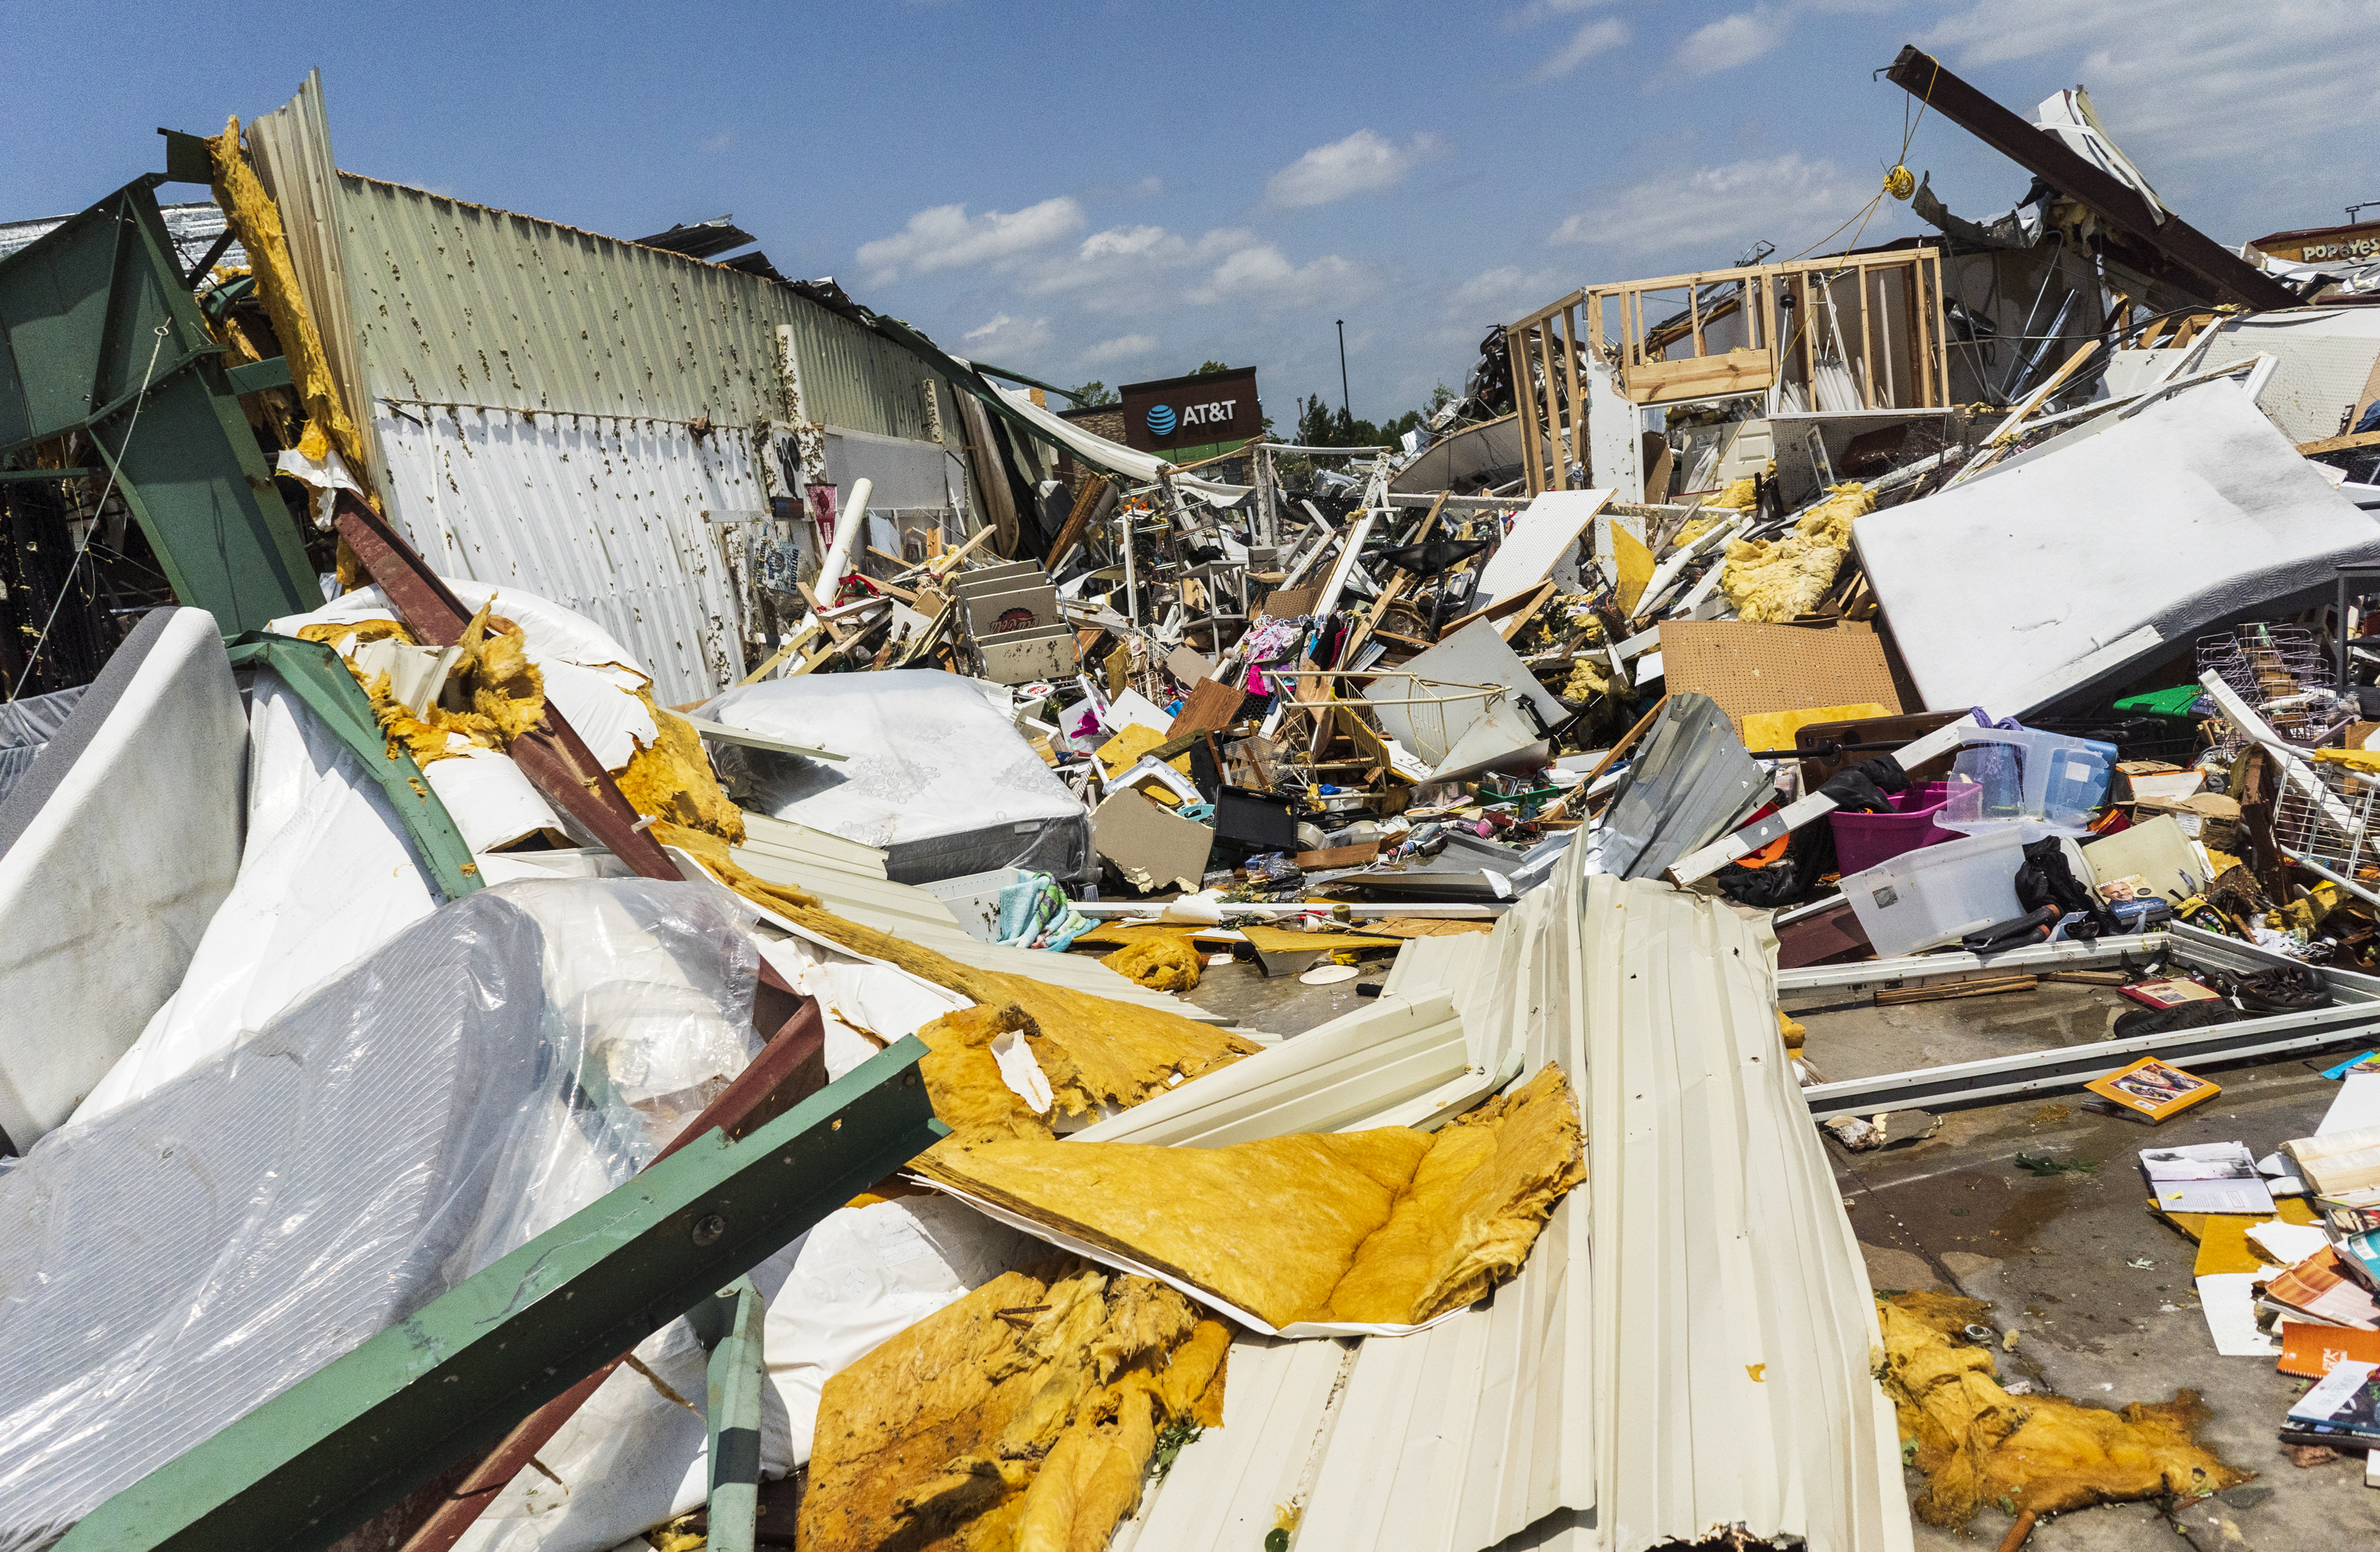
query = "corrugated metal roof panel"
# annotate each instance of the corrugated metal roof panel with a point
(458, 303)
(1704, 1367)
(632, 523)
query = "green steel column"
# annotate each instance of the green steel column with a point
(730, 1325)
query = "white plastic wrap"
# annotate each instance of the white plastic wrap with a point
(935, 776)
(168, 1267)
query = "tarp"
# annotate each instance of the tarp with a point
(1098, 450)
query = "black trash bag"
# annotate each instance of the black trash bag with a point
(2046, 878)
(1861, 789)
(2184, 1016)
(1811, 855)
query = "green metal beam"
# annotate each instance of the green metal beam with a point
(99, 335)
(314, 672)
(336, 1448)
(255, 375)
(731, 1324)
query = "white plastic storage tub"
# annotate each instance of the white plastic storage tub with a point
(1938, 894)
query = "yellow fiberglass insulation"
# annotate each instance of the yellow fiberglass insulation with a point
(1095, 1052)
(503, 689)
(670, 779)
(963, 1080)
(256, 221)
(1977, 1444)
(1739, 496)
(1775, 580)
(1388, 1226)
(1021, 1418)
(1163, 961)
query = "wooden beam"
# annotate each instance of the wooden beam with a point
(2227, 278)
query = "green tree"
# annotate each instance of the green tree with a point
(1206, 369)
(1092, 394)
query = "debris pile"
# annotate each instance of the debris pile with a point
(675, 965)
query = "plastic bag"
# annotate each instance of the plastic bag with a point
(169, 1267)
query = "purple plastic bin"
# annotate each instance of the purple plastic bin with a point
(1863, 840)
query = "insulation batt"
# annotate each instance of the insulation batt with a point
(1389, 1226)
(1977, 1444)
(1164, 962)
(1776, 581)
(1022, 1417)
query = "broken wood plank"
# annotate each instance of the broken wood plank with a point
(1989, 986)
(1211, 707)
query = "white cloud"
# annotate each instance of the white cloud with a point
(2236, 117)
(1148, 187)
(947, 238)
(1263, 274)
(1124, 347)
(1014, 339)
(1357, 165)
(1784, 198)
(1733, 40)
(1596, 37)
(1506, 291)
(719, 143)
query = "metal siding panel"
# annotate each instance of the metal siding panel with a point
(457, 303)
(779, 853)
(616, 518)
(1610, 1401)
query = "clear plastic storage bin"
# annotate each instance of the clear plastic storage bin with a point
(2014, 776)
(1939, 894)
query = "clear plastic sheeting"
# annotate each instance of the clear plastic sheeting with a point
(25, 725)
(168, 1268)
(935, 776)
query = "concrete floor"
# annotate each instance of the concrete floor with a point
(1284, 1004)
(2052, 1257)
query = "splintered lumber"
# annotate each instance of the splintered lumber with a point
(1987, 986)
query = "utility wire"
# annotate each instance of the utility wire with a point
(75, 565)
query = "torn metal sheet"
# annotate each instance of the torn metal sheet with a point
(1692, 782)
(1458, 706)
(2040, 580)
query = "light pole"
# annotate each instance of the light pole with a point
(1343, 371)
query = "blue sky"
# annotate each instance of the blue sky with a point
(1122, 191)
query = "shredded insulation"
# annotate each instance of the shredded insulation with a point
(672, 779)
(1390, 1227)
(1977, 1444)
(1164, 960)
(963, 1077)
(491, 695)
(252, 216)
(1020, 1419)
(1776, 581)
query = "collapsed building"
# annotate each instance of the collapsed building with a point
(584, 767)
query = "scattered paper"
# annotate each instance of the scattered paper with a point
(2228, 1301)
(2357, 1107)
(2286, 1244)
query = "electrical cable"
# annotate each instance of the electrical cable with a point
(74, 565)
